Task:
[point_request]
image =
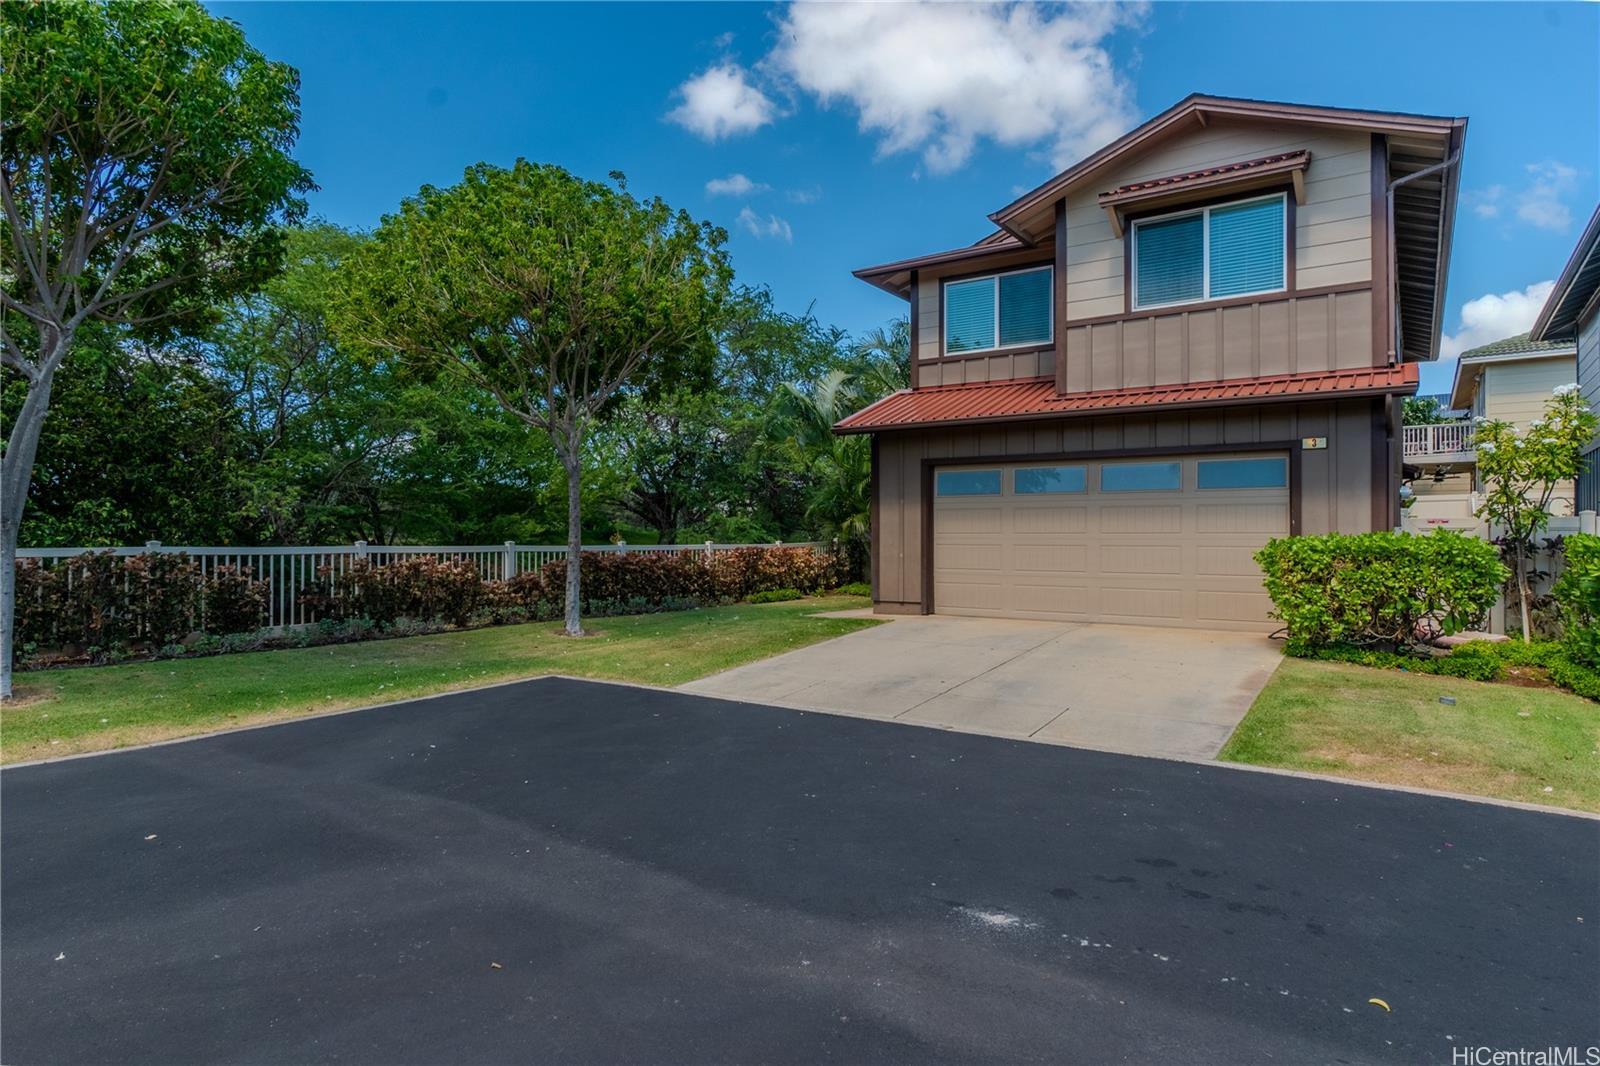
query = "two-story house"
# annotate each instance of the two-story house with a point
(1191, 341)
(1571, 315)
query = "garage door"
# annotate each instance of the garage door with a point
(1160, 541)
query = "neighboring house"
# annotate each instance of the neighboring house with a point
(1192, 341)
(1510, 380)
(1571, 316)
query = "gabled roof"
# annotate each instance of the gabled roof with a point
(1516, 345)
(1509, 350)
(1575, 290)
(1200, 108)
(1033, 398)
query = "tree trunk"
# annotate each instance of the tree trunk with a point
(1522, 592)
(16, 472)
(572, 460)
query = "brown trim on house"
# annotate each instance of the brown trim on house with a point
(1380, 468)
(1131, 217)
(992, 353)
(1031, 264)
(915, 347)
(927, 536)
(1059, 282)
(1292, 447)
(1212, 305)
(875, 488)
(1382, 286)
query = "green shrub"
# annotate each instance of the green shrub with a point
(1378, 588)
(776, 595)
(855, 588)
(1578, 595)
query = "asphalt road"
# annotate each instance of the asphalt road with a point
(570, 871)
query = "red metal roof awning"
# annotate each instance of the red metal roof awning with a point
(1034, 398)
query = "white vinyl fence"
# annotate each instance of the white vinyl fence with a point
(289, 572)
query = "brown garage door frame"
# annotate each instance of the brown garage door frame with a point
(930, 465)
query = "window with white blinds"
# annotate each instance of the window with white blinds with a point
(1211, 253)
(999, 311)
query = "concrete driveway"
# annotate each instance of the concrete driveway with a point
(1175, 693)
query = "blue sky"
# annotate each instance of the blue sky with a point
(867, 133)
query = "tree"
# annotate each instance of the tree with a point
(140, 445)
(1520, 471)
(1421, 411)
(555, 295)
(144, 157)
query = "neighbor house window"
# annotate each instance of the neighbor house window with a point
(1211, 253)
(967, 483)
(998, 311)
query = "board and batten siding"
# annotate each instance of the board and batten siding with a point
(1518, 392)
(998, 366)
(1589, 382)
(1336, 483)
(1333, 228)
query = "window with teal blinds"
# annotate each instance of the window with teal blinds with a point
(969, 315)
(1024, 308)
(1212, 253)
(999, 311)
(1171, 260)
(1247, 247)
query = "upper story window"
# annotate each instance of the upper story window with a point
(1211, 252)
(998, 311)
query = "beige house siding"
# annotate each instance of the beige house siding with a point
(1517, 392)
(1336, 483)
(930, 324)
(1333, 228)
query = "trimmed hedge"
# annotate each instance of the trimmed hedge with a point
(776, 596)
(158, 599)
(1378, 588)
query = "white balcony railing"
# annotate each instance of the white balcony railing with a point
(1443, 438)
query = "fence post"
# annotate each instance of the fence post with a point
(1587, 522)
(709, 552)
(152, 545)
(622, 547)
(361, 549)
(508, 561)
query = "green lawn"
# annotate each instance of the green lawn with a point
(62, 711)
(1533, 744)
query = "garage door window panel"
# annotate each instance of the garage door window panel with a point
(1267, 473)
(1141, 477)
(1048, 480)
(968, 483)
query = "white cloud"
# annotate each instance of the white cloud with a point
(1495, 316)
(734, 185)
(721, 102)
(1485, 203)
(804, 196)
(762, 228)
(1543, 202)
(938, 77)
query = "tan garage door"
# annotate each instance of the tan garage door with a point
(1159, 541)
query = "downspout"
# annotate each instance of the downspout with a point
(1394, 281)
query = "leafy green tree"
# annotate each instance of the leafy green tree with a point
(141, 445)
(144, 158)
(1520, 471)
(1421, 411)
(555, 295)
